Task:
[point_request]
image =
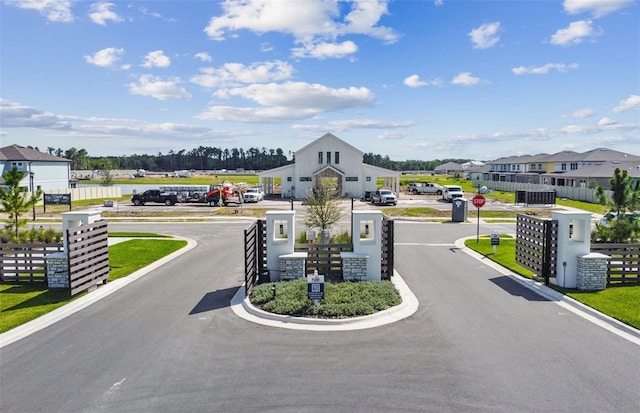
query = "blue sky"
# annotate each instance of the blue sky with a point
(408, 79)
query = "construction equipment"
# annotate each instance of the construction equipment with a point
(230, 194)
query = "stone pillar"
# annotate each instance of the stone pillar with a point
(292, 266)
(574, 240)
(592, 272)
(366, 233)
(354, 266)
(281, 234)
(58, 270)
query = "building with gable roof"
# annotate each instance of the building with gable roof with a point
(331, 161)
(43, 171)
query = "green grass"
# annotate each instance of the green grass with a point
(619, 302)
(23, 302)
(136, 235)
(342, 299)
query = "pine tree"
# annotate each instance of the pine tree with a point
(15, 200)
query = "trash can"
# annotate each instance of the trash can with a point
(459, 210)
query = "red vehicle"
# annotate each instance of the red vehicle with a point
(230, 195)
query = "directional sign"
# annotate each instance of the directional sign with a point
(478, 201)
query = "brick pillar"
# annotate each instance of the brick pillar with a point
(592, 272)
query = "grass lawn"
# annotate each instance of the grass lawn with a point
(342, 299)
(23, 302)
(619, 302)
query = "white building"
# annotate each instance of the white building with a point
(43, 171)
(330, 161)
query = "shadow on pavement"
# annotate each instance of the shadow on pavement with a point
(516, 289)
(214, 300)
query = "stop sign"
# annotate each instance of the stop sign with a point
(478, 201)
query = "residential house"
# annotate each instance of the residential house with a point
(43, 171)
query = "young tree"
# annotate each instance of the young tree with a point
(324, 210)
(14, 199)
(624, 201)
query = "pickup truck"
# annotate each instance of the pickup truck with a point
(156, 196)
(383, 197)
(424, 188)
(452, 191)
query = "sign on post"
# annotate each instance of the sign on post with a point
(478, 202)
(315, 287)
(495, 241)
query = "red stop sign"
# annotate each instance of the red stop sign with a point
(478, 201)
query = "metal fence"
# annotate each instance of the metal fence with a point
(26, 262)
(622, 267)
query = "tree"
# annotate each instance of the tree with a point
(624, 201)
(324, 210)
(14, 199)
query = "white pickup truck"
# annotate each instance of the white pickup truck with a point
(424, 188)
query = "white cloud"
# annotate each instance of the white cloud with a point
(414, 81)
(203, 56)
(438, 3)
(53, 10)
(101, 13)
(574, 34)
(325, 50)
(583, 113)
(149, 85)
(105, 58)
(231, 74)
(598, 8)
(316, 26)
(606, 122)
(15, 115)
(630, 103)
(287, 101)
(465, 79)
(156, 59)
(485, 36)
(392, 136)
(344, 125)
(544, 69)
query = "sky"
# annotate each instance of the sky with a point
(407, 79)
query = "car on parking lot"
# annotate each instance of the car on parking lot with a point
(253, 195)
(606, 219)
(449, 192)
(384, 197)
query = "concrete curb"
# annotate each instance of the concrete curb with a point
(594, 316)
(243, 308)
(73, 307)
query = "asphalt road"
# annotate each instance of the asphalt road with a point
(479, 342)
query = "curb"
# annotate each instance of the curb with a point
(243, 308)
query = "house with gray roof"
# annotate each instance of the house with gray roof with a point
(43, 171)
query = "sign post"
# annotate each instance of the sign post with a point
(315, 287)
(495, 241)
(478, 202)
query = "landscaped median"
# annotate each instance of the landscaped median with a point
(619, 302)
(23, 302)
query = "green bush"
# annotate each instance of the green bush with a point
(342, 299)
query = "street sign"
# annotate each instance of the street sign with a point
(495, 239)
(478, 201)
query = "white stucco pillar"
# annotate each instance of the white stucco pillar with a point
(77, 218)
(367, 241)
(574, 240)
(281, 237)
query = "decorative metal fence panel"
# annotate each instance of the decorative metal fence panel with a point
(388, 239)
(255, 254)
(25, 262)
(325, 258)
(536, 245)
(88, 249)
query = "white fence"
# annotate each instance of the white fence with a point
(94, 192)
(576, 194)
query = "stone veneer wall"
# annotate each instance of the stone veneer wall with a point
(58, 270)
(592, 272)
(292, 266)
(354, 266)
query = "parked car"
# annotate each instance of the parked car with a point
(606, 219)
(155, 196)
(253, 195)
(424, 188)
(384, 197)
(449, 192)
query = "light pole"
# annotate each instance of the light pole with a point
(31, 174)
